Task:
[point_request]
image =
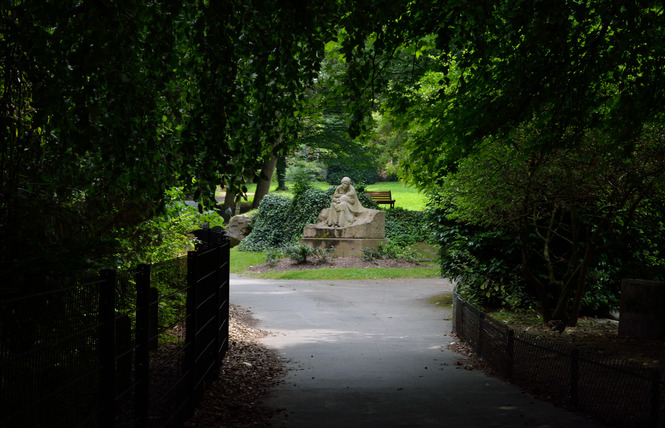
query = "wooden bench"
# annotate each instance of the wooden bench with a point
(382, 197)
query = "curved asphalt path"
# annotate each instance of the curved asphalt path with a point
(374, 354)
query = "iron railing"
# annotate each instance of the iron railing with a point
(115, 349)
(618, 392)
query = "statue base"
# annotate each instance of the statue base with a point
(370, 225)
(367, 231)
(344, 247)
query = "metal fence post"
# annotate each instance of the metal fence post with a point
(107, 348)
(142, 388)
(223, 301)
(190, 330)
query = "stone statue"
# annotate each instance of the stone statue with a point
(346, 226)
(345, 206)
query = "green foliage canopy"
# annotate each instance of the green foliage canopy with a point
(542, 119)
(106, 105)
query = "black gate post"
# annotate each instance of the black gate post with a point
(223, 301)
(142, 388)
(190, 331)
(107, 348)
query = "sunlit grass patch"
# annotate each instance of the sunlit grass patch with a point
(324, 274)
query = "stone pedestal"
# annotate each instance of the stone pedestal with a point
(368, 231)
(642, 313)
(344, 247)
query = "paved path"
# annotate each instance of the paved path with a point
(374, 354)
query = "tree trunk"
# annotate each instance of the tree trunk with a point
(230, 201)
(280, 169)
(531, 279)
(581, 285)
(264, 179)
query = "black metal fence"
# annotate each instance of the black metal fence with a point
(617, 392)
(118, 349)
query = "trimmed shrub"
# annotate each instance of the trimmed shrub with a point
(304, 210)
(268, 225)
(404, 227)
(280, 220)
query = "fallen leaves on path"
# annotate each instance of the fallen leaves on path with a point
(248, 372)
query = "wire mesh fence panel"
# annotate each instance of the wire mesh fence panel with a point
(617, 392)
(620, 395)
(49, 356)
(542, 371)
(125, 346)
(170, 280)
(471, 329)
(107, 351)
(493, 343)
(168, 382)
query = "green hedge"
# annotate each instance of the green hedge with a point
(404, 227)
(280, 220)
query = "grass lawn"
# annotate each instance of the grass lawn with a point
(329, 274)
(406, 197)
(241, 260)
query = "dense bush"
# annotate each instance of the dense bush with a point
(305, 209)
(280, 220)
(486, 266)
(268, 224)
(164, 236)
(404, 227)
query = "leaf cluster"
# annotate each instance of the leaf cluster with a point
(105, 106)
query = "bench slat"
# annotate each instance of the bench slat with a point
(382, 197)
